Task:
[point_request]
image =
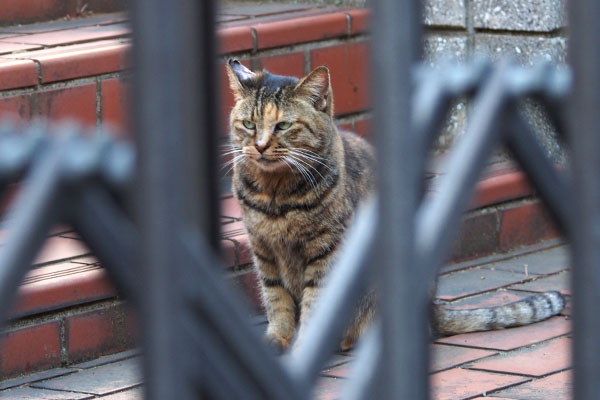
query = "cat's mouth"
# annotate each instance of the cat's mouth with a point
(269, 164)
(266, 161)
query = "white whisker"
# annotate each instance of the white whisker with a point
(231, 163)
(236, 151)
(311, 159)
(306, 174)
(309, 152)
(307, 164)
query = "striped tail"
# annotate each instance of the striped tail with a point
(523, 312)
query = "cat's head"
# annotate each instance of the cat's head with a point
(278, 120)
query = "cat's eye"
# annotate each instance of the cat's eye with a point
(282, 126)
(249, 124)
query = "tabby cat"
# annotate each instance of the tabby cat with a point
(299, 181)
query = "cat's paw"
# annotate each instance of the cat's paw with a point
(279, 343)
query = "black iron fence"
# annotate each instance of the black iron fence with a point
(149, 213)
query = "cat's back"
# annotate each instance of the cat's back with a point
(359, 162)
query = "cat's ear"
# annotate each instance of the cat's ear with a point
(239, 76)
(317, 87)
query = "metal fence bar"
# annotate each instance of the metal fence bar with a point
(165, 93)
(29, 224)
(584, 135)
(439, 215)
(111, 236)
(396, 46)
(218, 308)
(550, 183)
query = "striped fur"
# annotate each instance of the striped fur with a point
(298, 181)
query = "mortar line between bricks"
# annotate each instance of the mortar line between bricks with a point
(469, 295)
(307, 61)
(553, 34)
(491, 291)
(349, 24)
(296, 47)
(533, 377)
(38, 71)
(122, 390)
(49, 86)
(36, 386)
(79, 81)
(98, 105)
(468, 4)
(485, 394)
(57, 315)
(447, 29)
(64, 342)
(254, 40)
(504, 352)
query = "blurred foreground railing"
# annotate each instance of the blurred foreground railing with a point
(158, 242)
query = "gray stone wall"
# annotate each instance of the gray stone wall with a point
(527, 30)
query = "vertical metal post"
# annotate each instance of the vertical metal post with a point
(396, 44)
(585, 138)
(172, 54)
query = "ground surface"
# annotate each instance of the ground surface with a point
(526, 363)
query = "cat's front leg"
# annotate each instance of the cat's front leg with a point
(279, 304)
(313, 280)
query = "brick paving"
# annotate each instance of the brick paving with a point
(525, 363)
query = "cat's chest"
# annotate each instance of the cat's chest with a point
(280, 229)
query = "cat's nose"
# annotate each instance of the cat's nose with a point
(261, 146)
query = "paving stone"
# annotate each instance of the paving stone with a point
(445, 357)
(543, 262)
(59, 249)
(493, 299)
(560, 282)
(537, 360)
(108, 359)
(28, 393)
(556, 387)
(457, 266)
(328, 389)
(509, 339)
(338, 359)
(39, 376)
(457, 383)
(474, 281)
(445, 13)
(132, 394)
(339, 371)
(522, 15)
(102, 380)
